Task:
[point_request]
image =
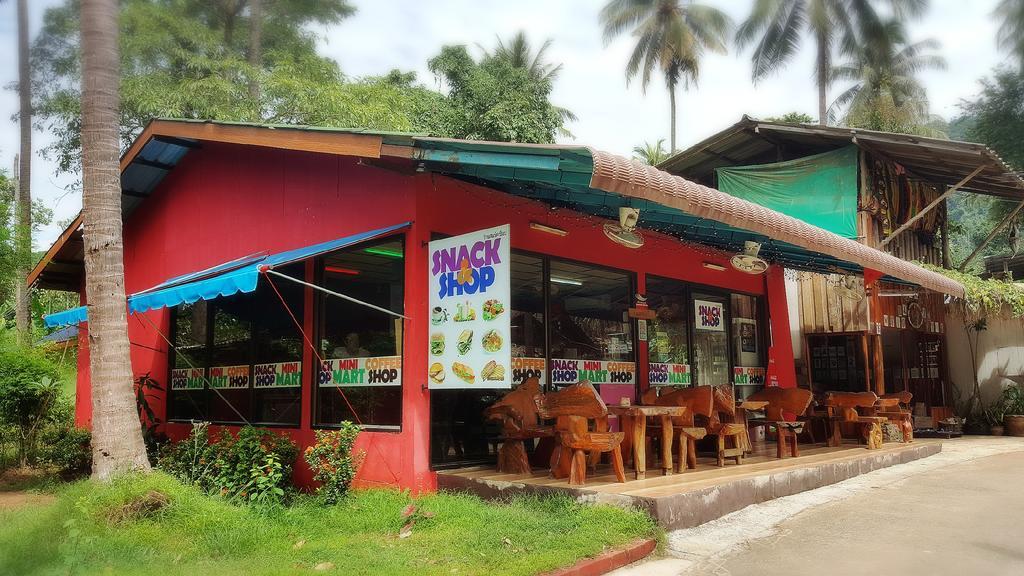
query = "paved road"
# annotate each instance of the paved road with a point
(960, 512)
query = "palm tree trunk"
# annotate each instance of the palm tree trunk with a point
(255, 47)
(23, 232)
(823, 65)
(117, 443)
(672, 107)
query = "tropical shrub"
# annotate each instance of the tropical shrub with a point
(253, 467)
(333, 463)
(62, 445)
(28, 390)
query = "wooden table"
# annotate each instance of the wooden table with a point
(634, 424)
(742, 407)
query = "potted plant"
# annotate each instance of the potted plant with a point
(1012, 401)
(994, 415)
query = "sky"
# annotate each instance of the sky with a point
(404, 34)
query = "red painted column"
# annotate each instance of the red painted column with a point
(781, 365)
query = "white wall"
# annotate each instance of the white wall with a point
(1000, 355)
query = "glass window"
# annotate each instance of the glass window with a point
(668, 333)
(748, 347)
(711, 339)
(187, 390)
(279, 344)
(528, 329)
(362, 347)
(231, 352)
(588, 311)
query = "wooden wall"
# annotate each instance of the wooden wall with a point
(823, 310)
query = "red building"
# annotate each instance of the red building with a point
(216, 214)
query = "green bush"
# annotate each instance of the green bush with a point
(332, 461)
(64, 446)
(253, 467)
(28, 390)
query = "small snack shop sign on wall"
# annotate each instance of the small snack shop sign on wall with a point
(372, 371)
(469, 278)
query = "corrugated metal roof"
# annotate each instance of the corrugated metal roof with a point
(941, 162)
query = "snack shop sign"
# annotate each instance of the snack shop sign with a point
(375, 371)
(469, 280)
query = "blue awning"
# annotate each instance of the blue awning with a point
(240, 275)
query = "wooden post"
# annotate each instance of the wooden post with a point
(991, 235)
(932, 205)
(947, 259)
(867, 361)
(879, 365)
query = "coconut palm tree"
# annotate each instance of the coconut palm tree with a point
(671, 38)
(886, 94)
(117, 443)
(23, 231)
(777, 27)
(518, 53)
(1010, 14)
(652, 154)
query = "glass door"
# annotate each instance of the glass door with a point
(711, 339)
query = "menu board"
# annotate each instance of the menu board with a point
(570, 371)
(187, 379)
(229, 377)
(748, 375)
(660, 374)
(373, 371)
(470, 327)
(708, 316)
(278, 375)
(523, 368)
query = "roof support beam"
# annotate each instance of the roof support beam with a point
(1009, 218)
(933, 204)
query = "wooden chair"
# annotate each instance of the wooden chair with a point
(520, 421)
(699, 401)
(573, 408)
(845, 407)
(784, 405)
(896, 407)
(724, 426)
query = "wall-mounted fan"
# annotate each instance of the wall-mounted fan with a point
(748, 260)
(848, 289)
(625, 231)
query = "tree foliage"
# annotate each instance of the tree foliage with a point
(793, 118)
(1010, 14)
(651, 153)
(886, 94)
(496, 98)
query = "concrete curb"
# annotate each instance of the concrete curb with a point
(607, 561)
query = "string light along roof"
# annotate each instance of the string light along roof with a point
(574, 177)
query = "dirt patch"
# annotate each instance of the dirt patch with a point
(12, 500)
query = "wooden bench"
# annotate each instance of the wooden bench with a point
(845, 407)
(784, 406)
(581, 424)
(520, 422)
(896, 407)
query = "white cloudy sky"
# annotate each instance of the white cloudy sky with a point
(386, 34)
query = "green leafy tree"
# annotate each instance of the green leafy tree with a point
(186, 59)
(776, 28)
(496, 98)
(995, 118)
(671, 38)
(652, 154)
(1010, 14)
(793, 118)
(8, 255)
(886, 93)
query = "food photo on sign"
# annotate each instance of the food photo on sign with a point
(469, 280)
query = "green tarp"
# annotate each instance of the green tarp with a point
(819, 189)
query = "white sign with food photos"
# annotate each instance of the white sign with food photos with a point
(470, 327)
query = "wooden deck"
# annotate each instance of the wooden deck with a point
(696, 496)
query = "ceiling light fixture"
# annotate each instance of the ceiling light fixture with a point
(567, 281)
(384, 252)
(713, 266)
(340, 270)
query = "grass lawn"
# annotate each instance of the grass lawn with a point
(90, 530)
